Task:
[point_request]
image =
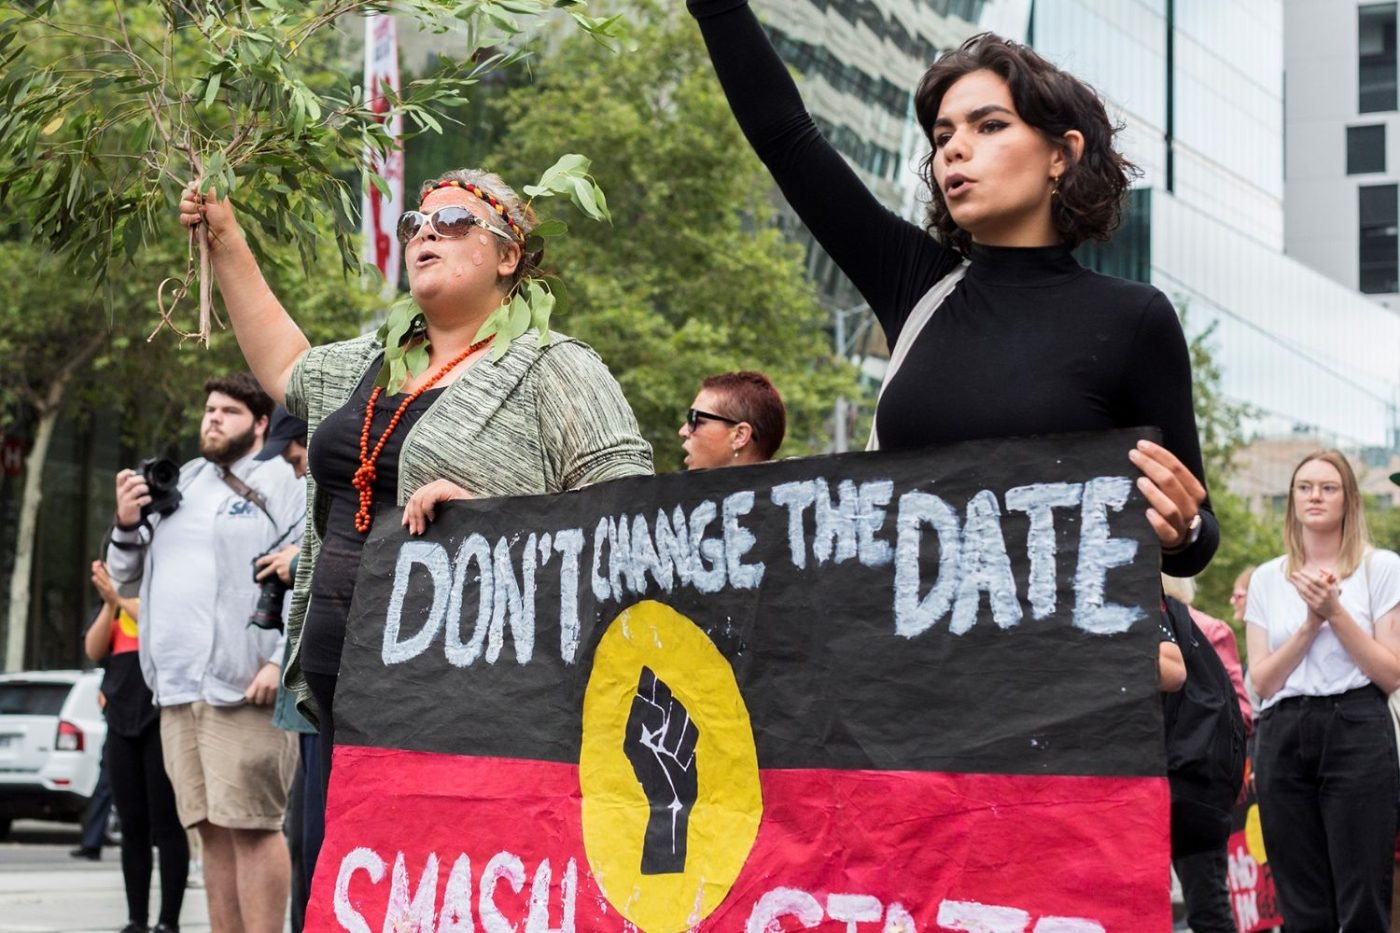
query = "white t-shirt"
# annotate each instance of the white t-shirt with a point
(1327, 669)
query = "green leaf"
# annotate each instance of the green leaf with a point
(559, 177)
(380, 185)
(550, 228)
(583, 197)
(519, 321)
(417, 358)
(492, 325)
(211, 90)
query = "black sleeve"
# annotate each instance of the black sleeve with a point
(891, 261)
(1157, 391)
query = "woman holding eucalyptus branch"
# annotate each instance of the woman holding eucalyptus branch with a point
(417, 414)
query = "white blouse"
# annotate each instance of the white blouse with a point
(1327, 669)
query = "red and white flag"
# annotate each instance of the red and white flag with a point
(379, 215)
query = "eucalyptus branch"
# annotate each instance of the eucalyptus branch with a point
(140, 63)
(89, 156)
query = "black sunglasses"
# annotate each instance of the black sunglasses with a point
(693, 417)
(451, 223)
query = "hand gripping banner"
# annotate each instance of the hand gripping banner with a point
(880, 693)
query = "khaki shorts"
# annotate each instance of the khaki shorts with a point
(229, 765)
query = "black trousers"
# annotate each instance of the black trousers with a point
(146, 804)
(322, 688)
(1206, 891)
(1326, 774)
(306, 825)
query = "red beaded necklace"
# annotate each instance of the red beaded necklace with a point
(363, 479)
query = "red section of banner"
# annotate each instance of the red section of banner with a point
(875, 851)
(1252, 894)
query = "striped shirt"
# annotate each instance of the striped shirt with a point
(539, 420)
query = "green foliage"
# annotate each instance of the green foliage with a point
(109, 110)
(1218, 418)
(156, 385)
(1384, 524)
(1245, 539)
(691, 278)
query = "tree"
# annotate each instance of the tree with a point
(111, 110)
(1245, 539)
(59, 343)
(692, 277)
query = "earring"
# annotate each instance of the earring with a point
(736, 453)
(1054, 185)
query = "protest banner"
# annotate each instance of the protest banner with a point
(884, 692)
(1253, 897)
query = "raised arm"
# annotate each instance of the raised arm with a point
(270, 340)
(97, 641)
(890, 260)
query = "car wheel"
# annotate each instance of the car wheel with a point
(114, 828)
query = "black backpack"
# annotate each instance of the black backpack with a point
(1205, 742)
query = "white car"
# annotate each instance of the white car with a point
(51, 735)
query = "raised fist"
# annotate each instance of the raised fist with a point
(660, 744)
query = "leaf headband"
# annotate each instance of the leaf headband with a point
(529, 304)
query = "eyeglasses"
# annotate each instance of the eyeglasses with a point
(1327, 489)
(451, 223)
(694, 416)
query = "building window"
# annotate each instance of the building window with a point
(1128, 255)
(1365, 149)
(1379, 244)
(1375, 34)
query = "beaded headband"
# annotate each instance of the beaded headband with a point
(489, 198)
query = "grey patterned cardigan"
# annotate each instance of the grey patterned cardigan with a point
(539, 420)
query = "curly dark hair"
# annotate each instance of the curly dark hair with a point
(1088, 204)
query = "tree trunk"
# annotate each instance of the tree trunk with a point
(47, 410)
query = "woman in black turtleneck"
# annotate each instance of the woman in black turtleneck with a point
(1029, 342)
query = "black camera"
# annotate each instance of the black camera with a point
(162, 477)
(268, 613)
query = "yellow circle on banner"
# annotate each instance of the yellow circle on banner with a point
(668, 771)
(1254, 835)
(127, 623)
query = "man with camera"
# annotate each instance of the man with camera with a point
(211, 643)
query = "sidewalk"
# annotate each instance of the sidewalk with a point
(43, 890)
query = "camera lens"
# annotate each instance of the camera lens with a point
(163, 474)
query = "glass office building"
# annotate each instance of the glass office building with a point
(1220, 218)
(858, 62)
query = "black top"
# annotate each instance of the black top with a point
(333, 457)
(1030, 342)
(130, 709)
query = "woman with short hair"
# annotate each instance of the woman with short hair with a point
(737, 419)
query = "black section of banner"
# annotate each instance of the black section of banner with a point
(828, 681)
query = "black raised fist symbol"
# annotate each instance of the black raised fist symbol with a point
(660, 743)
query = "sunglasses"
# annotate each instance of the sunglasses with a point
(695, 415)
(451, 223)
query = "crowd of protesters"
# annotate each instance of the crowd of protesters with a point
(995, 330)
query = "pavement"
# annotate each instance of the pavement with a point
(44, 890)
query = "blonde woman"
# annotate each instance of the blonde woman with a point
(1324, 650)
